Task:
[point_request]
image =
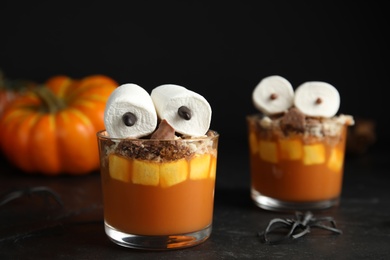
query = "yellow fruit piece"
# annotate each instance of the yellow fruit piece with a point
(253, 143)
(146, 173)
(119, 168)
(172, 173)
(290, 149)
(200, 167)
(268, 151)
(213, 167)
(336, 160)
(313, 154)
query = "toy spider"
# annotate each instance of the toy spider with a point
(40, 190)
(297, 227)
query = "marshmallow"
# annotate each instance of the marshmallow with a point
(186, 111)
(129, 112)
(273, 95)
(317, 99)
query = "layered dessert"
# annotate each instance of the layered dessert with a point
(159, 187)
(160, 182)
(297, 145)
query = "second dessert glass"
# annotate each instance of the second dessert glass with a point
(295, 171)
(297, 145)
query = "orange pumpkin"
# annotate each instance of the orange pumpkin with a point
(52, 129)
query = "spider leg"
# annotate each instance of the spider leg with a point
(302, 233)
(11, 196)
(333, 229)
(286, 223)
(15, 194)
(272, 225)
(320, 223)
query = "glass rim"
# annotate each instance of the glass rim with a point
(101, 134)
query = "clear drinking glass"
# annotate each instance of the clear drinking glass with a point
(158, 194)
(296, 171)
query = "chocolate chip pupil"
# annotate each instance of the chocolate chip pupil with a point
(184, 112)
(318, 101)
(129, 119)
(273, 96)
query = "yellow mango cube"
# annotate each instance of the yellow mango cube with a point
(290, 149)
(119, 168)
(200, 167)
(172, 173)
(268, 151)
(336, 160)
(213, 167)
(313, 154)
(146, 173)
(253, 143)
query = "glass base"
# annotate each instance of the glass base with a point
(165, 242)
(269, 203)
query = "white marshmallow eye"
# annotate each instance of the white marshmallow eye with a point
(273, 95)
(186, 111)
(317, 99)
(130, 112)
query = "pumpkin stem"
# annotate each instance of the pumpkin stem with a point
(51, 102)
(2, 80)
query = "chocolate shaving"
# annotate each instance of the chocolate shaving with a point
(164, 131)
(293, 120)
(297, 227)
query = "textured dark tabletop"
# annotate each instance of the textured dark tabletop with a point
(37, 227)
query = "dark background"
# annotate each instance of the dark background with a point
(220, 50)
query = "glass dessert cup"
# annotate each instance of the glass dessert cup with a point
(158, 194)
(295, 171)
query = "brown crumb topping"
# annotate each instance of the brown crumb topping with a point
(153, 150)
(164, 144)
(294, 123)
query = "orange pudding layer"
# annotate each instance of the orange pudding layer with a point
(159, 198)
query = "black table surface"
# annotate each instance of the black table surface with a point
(36, 227)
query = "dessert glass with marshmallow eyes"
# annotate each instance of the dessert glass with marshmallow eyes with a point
(158, 167)
(296, 145)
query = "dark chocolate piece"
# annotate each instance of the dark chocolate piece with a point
(293, 119)
(164, 131)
